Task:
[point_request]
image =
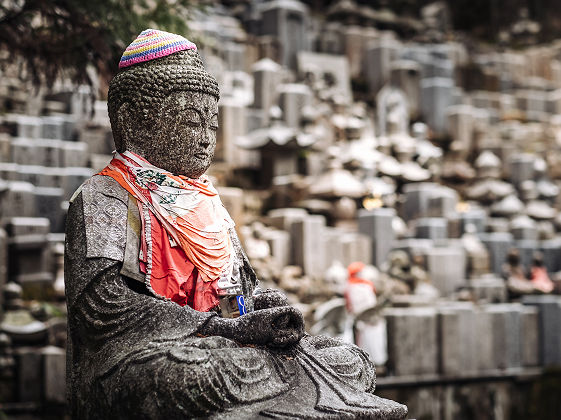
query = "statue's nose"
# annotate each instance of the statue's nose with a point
(206, 138)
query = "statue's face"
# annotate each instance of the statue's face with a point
(184, 136)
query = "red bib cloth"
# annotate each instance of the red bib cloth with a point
(185, 240)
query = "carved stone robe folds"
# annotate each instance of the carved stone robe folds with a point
(134, 355)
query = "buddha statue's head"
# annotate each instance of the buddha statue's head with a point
(163, 104)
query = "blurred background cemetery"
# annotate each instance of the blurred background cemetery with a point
(392, 166)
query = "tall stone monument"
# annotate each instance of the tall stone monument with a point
(166, 319)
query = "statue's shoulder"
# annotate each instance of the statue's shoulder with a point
(105, 207)
(101, 185)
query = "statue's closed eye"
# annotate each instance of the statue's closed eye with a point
(192, 117)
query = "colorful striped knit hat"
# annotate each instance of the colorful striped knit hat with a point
(152, 44)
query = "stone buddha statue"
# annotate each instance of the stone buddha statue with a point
(154, 269)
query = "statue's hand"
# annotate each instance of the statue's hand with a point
(276, 327)
(269, 298)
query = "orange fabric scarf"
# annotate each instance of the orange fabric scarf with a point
(190, 211)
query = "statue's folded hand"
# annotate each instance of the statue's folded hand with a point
(275, 327)
(269, 298)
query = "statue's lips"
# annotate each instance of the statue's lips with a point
(201, 155)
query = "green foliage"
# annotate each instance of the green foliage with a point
(66, 37)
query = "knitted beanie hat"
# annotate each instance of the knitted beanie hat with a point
(151, 44)
(154, 66)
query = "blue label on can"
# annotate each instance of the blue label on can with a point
(241, 304)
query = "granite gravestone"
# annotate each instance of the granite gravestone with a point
(133, 354)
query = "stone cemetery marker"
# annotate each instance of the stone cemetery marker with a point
(446, 267)
(485, 356)
(461, 126)
(434, 228)
(74, 153)
(279, 243)
(529, 333)
(28, 362)
(54, 371)
(266, 77)
(506, 335)
(549, 333)
(412, 341)
(489, 288)
(521, 168)
(307, 234)
(5, 147)
(355, 247)
(551, 250)
(457, 335)
(406, 75)
(377, 61)
(498, 244)
(436, 97)
(287, 21)
(52, 127)
(417, 199)
(18, 200)
(293, 98)
(332, 69)
(527, 248)
(377, 224)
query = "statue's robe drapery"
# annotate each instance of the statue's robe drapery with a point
(133, 355)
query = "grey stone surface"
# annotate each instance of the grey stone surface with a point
(18, 200)
(266, 76)
(52, 127)
(133, 355)
(287, 21)
(527, 249)
(29, 252)
(549, 333)
(42, 152)
(551, 250)
(529, 333)
(377, 224)
(308, 248)
(485, 356)
(279, 243)
(506, 335)
(498, 244)
(443, 203)
(417, 199)
(54, 371)
(436, 97)
(28, 362)
(355, 247)
(48, 202)
(434, 228)
(457, 339)
(378, 57)
(476, 217)
(489, 288)
(446, 267)
(412, 340)
(521, 168)
(293, 97)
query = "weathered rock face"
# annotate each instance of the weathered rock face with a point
(134, 355)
